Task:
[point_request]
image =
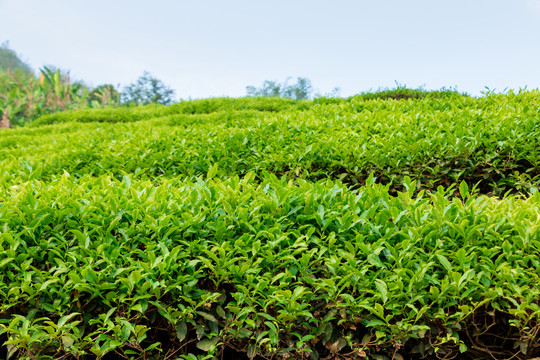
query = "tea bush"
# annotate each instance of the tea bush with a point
(270, 228)
(492, 142)
(97, 265)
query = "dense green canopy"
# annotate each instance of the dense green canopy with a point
(366, 227)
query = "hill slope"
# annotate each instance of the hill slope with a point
(493, 141)
(269, 228)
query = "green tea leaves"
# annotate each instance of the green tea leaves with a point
(181, 330)
(375, 260)
(212, 171)
(382, 288)
(311, 227)
(208, 344)
(444, 262)
(464, 190)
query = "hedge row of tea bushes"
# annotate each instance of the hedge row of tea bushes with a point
(132, 269)
(493, 141)
(206, 106)
(269, 228)
(203, 106)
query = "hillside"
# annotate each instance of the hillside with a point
(10, 61)
(491, 142)
(271, 228)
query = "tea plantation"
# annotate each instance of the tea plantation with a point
(266, 228)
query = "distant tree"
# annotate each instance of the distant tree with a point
(268, 89)
(103, 96)
(302, 90)
(12, 66)
(147, 90)
(10, 61)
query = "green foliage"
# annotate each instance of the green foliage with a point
(112, 115)
(10, 61)
(302, 90)
(193, 107)
(207, 106)
(274, 228)
(97, 265)
(148, 90)
(490, 142)
(103, 96)
(403, 93)
(26, 97)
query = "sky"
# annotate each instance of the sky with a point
(209, 48)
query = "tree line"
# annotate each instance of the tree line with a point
(26, 95)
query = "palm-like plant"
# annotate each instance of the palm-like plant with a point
(27, 98)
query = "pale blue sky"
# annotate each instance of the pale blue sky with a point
(214, 48)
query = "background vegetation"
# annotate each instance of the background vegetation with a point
(302, 90)
(397, 224)
(25, 96)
